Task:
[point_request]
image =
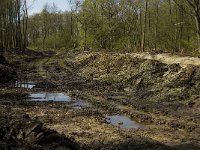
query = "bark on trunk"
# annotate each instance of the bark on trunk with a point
(197, 19)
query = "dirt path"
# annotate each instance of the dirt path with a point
(169, 59)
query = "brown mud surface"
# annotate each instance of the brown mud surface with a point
(163, 97)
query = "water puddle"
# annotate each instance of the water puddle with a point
(81, 104)
(23, 84)
(57, 97)
(123, 122)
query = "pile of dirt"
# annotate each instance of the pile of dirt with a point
(22, 132)
(153, 86)
(143, 77)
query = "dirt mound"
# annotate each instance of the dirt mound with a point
(141, 75)
(168, 89)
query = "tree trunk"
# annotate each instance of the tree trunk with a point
(197, 20)
(156, 25)
(145, 26)
(85, 38)
(25, 25)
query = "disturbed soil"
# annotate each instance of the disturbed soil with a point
(160, 94)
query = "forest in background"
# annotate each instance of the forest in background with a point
(132, 25)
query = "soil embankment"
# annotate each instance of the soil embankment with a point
(148, 85)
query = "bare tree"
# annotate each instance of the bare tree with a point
(194, 10)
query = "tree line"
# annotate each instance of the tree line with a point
(13, 25)
(135, 25)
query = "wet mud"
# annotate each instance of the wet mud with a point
(104, 101)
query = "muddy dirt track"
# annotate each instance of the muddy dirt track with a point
(162, 99)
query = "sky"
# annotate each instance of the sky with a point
(36, 6)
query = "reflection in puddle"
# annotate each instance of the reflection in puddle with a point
(23, 84)
(81, 104)
(58, 97)
(122, 121)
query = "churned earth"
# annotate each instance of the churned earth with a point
(160, 93)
